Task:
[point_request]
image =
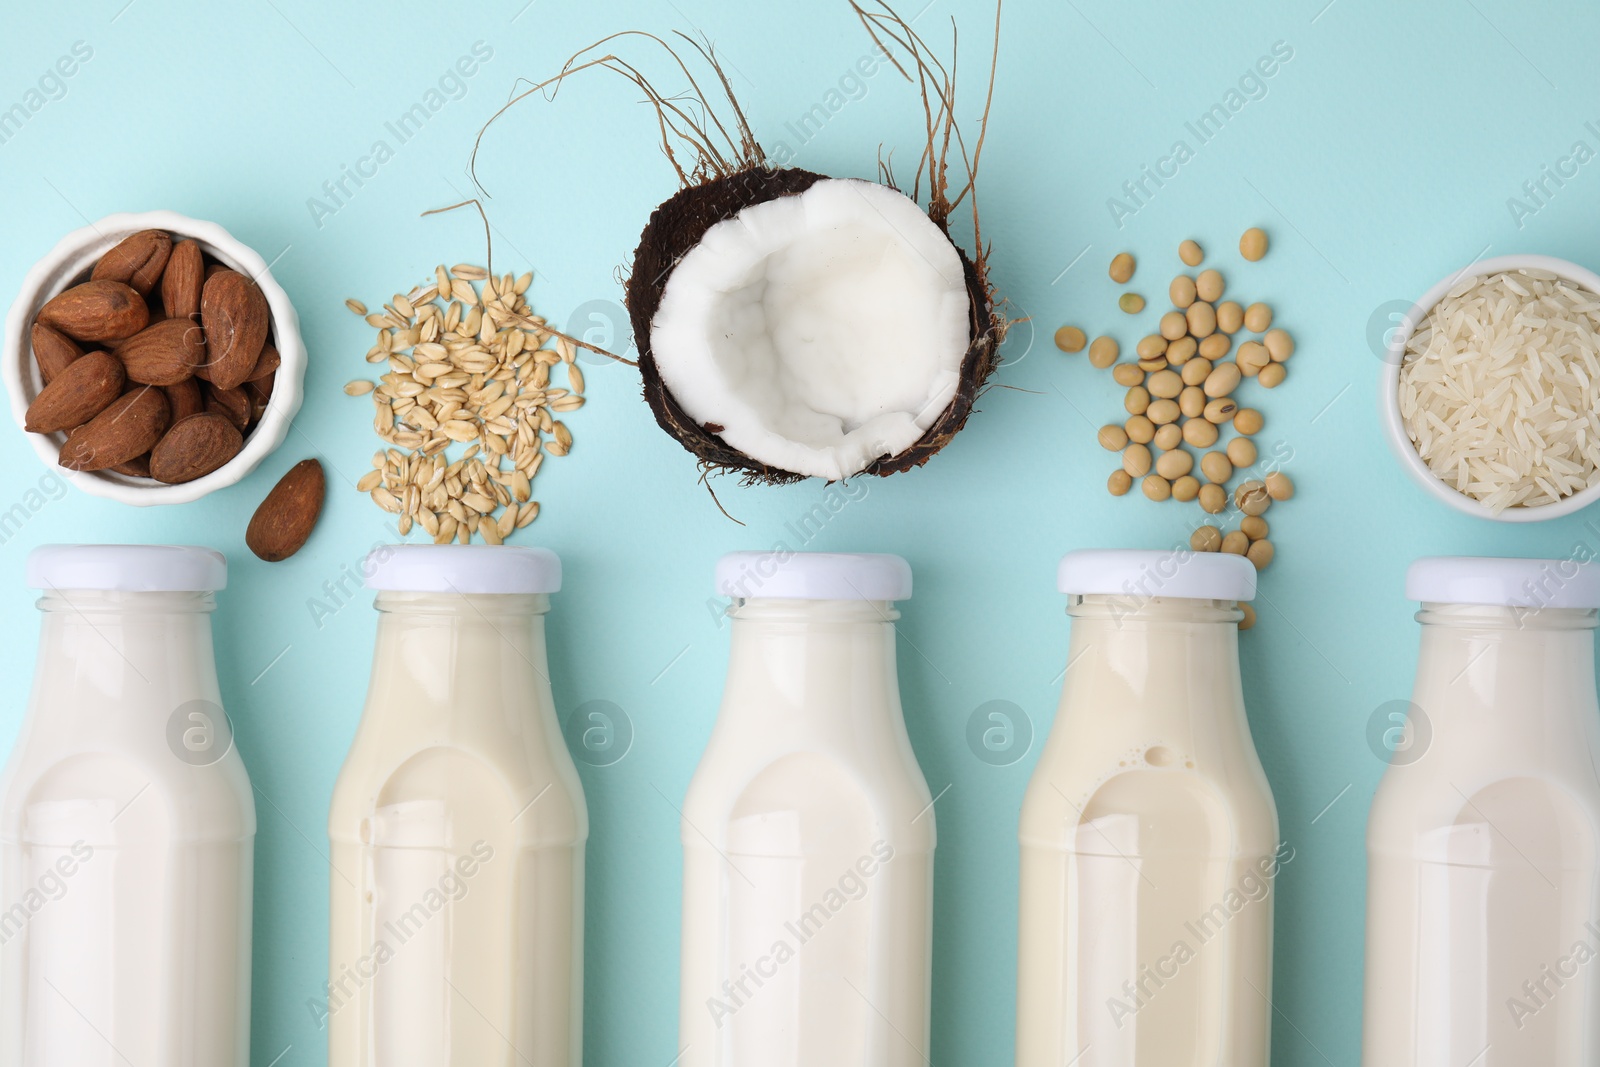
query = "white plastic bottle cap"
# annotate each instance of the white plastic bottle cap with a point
(813, 576)
(128, 568)
(462, 569)
(1147, 574)
(1512, 583)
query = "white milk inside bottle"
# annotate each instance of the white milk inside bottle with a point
(458, 827)
(808, 830)
(127, 824)
(1483, 902)
(1149, 835)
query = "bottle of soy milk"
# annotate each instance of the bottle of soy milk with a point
(458, 826)
(1149, 835)
(808, 830)
(1483, 878)
(127, 824)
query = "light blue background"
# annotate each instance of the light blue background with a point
(1380, 158)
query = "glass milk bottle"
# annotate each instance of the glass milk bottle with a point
(1149, 836)
(458, 826)
(808, 830)
(1483, 902)
(127, 824)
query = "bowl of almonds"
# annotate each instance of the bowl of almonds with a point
(152, 358)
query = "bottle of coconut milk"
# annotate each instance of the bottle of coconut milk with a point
(127, 824)
(457, 826)
(808, 830)
(1483, 847)
(1149, 835)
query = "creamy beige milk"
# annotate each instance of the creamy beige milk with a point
(1483, 901)
(1149, 848)
(125, 868)
(457, 826)
(808, 836)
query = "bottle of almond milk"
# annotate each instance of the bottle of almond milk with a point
(1483, 847)
(1149, 835)
(127, 824)
(458, 826)
(808, 830)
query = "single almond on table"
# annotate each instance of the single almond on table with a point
(194, 447)
(80, 392)
(181, 281)
(125, 430)
(52, 350)
(233, 403)
(236, 318)
(164, 354)
(184, 398)
(136, 260)
(285, 519)
(101, 310)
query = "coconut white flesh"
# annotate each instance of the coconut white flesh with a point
(820, 331)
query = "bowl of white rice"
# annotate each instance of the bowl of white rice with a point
(1491, 389)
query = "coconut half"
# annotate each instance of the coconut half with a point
(793, 325)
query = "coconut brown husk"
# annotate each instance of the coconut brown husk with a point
(679, 224)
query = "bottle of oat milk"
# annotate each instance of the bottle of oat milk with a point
(1149, 835)
(1483, 847)
(458, 826)
(808, 830)
(127, 824)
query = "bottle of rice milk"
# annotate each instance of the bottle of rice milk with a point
(127, 824)
(1483, 847)
(808, 830)
(458, 826)
(1149, 835)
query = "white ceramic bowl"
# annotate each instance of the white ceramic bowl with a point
(1394, 428)
(68, 264)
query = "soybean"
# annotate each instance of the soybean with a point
(1191, 253)
(1122, 266)
(1230, 316)
(1153, 364)
(1254, 526)
(1242, 452)
(1279, 487)
(1119, 483)
(1162, 412)
(1137, 401)
(1168, 437)
(1251, 498)
(1103, 352)
(1156, 487)
(1235, 543)
(1223, 379)
(1175, 464)
(1196, 371)
(1140, 430)
(1216, 346)
(1181, 291)
(1070, 339)
(1173, 325)
(1132, 303)
(1248, 421)
(1208, 285)
(1151, 346)
(1164, 383)
(1220, 410)
(1182, 351)
(1216, 467)
(1206, 539)
(1192, 401)
(1249, 614)
(1253, 243)
(1200, 433)
(1252, 356)
(1213, 499)
(1280, 344)
(1127, 374)
(1136, 460)
(1257, 318)
(1260, 553)
(1113, 438)
(1186, 488)
(1272, 375)
(1201, 319)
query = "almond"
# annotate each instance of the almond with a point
(52, 350)
(234, 403)
(102, 310)
(164, 354)
(80, 392)
(137, 260)
(266, 365)
(236, 319)
(194, 447)
(137, 467)
(285, 519)
(181, 282)
(127, 429)
(184, 399)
